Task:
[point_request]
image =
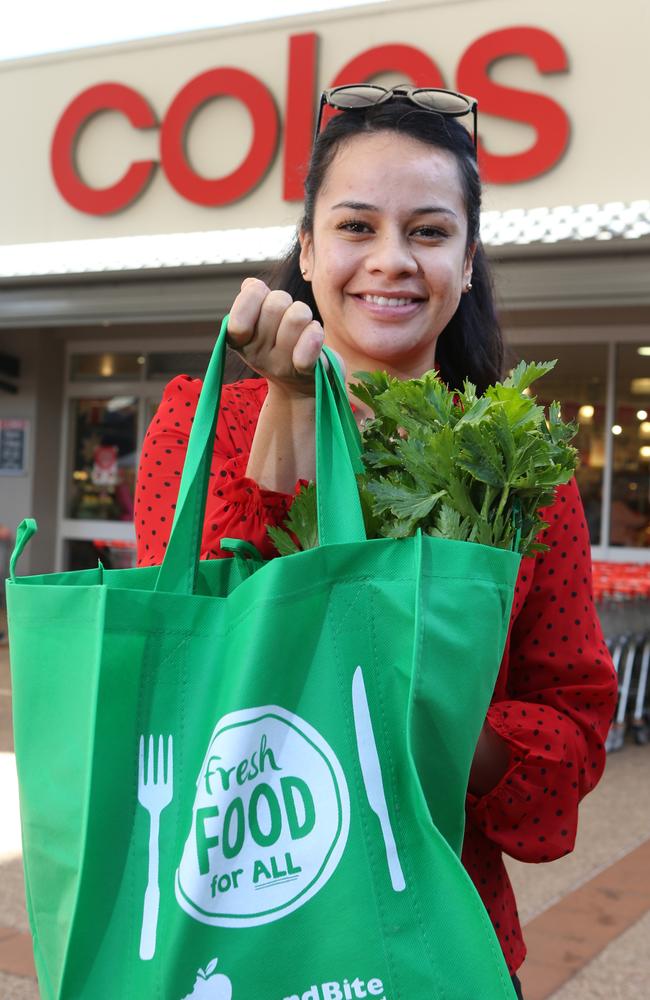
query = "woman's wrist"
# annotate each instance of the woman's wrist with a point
(283, 446)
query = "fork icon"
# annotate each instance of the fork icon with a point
(155, 791)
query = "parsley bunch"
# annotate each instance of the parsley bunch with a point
(453, 464)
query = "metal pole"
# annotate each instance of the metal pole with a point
(608, 468)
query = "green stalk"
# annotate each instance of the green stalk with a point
(487, 502)
(502, 502)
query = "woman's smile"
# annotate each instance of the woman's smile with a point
(388, 306)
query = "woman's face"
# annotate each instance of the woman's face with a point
(388, 257)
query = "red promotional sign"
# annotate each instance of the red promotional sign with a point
(546, 116)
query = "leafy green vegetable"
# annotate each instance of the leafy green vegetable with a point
(302, 521)
(453, 464)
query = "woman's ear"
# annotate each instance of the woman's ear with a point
(306, 254)
(469, 264)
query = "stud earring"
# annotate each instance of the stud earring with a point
(468, 286)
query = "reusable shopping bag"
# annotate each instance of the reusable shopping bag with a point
(246, 780)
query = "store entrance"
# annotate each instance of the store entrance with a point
(113, 388)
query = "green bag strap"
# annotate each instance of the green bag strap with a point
(179, 568)
(348, 423)
(337, 459)
(24, 532)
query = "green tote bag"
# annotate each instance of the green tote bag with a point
(245, 780)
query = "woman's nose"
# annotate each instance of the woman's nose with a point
(391, 254)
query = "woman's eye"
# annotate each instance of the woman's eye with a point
(431, 233)
(354, 226)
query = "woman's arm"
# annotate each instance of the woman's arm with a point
(237, 507)
(280, 339)
(553, 709)
(283, 447)
(259, 457)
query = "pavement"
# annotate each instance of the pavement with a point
(586, 917)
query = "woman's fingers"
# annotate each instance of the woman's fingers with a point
(276, 336)
(276, 308)
(308, 348)
(245, 312)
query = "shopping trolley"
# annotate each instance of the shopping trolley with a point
(622, 593)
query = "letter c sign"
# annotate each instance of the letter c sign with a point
(102, 97)
(221, 82)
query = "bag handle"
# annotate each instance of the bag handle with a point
(338, 459)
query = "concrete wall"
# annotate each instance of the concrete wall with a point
(39, 400)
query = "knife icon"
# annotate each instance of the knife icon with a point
(372, 779)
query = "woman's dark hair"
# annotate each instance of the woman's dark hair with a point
(471, 345)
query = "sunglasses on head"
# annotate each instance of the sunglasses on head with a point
(364, 95)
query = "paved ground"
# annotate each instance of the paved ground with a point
(587, 916)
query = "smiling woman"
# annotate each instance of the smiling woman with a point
(388, 270)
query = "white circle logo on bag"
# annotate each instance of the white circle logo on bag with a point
(270, 820)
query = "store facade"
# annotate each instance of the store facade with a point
(142, 182)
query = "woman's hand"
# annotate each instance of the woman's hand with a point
(490, 763)
(276, 337)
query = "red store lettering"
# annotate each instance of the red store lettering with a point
(545, 115)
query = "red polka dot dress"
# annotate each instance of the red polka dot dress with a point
(556, 690)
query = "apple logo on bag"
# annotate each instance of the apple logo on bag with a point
(210, 984)
(270, 820)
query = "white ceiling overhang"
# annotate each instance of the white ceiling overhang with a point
(563, 225)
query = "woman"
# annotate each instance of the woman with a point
(388, 270)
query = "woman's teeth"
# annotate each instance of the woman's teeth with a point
(382, 300)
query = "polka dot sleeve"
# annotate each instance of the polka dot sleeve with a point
(555, 696)
(236, 506)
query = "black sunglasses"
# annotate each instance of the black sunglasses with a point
(364, 95)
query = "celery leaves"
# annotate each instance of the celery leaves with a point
(453, 464)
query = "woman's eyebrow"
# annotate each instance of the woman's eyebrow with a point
(362, 206)
(434, 210)
(356, 206)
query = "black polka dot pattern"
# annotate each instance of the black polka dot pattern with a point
(236, 507)
(556, 691)
(554, 699)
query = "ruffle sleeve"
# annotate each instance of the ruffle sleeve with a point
(555, 697)
(236, 506)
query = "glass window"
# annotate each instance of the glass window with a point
(82, 554)
(630, 515)
(168, 364)
(103, 454)
(578, 383)
(106, 366)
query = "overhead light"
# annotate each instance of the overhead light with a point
(586, 412)
(644, 452)
(642, 414)
(119, 403)
(644, 427)
(106, 365)
(617, 429)
(643, 351)
(640, 386)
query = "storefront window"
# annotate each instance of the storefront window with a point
(104, 442)
(630, 514)
(578, 383)
(106, 366)
(166, 365)
(86, 553)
